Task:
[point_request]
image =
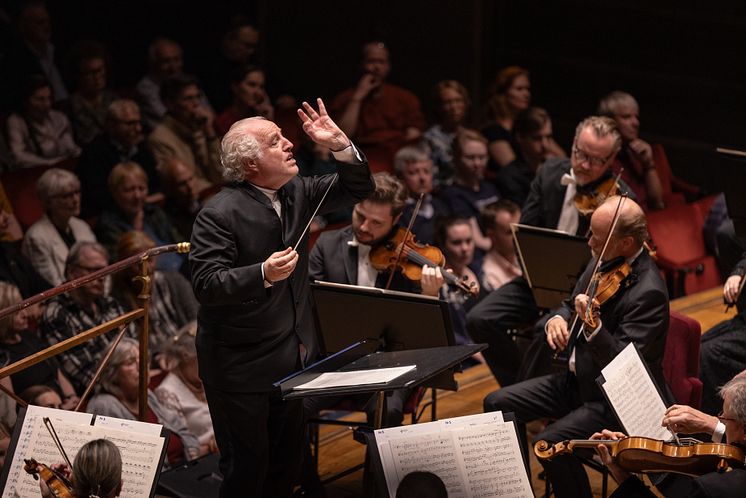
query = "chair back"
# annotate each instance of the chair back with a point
(681, 359)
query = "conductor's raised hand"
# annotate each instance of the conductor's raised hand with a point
(279, 265)
(321, 128)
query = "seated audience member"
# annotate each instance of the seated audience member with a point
(81, 309)
(454, 237)
(89, 102)
(532, 131)
(249, 98)
(638, 314)
(451, 108)
(469, 192)
(128, 185)
(645, 165)
(182, 388)
(37, 134)
(415, 169)
(181, 197)
(19, 342)
(122, 141)
(10, 229)
(378, 116)
(421, 485)
(16, 268)
(42, 395)
(722, 353)
(500, 264)
(8, 410)
(172, 301)
(187, 132)
(731, 423)
(118, 397)
(48, 241)
(510, 94)
(7, 161)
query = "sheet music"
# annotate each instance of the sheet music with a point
(475, 456)
(140, 452)
(634, 396)
(356, 378)
(121, 424)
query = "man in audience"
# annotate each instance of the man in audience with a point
(82, 308)
(187, 132)
(414, 167)
(637, 314)
(550, 204)
(165, 59)
(122, 142)
(379, 116)
(500, 264)
(532, 129)
(181, 195)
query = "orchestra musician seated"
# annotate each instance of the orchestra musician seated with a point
(96, 472)
(731, 423)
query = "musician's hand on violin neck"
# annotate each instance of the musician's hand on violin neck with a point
(687, 420)
(619, 474)
(279, 265)
(557, 333)
(432, 281)
(581, 308)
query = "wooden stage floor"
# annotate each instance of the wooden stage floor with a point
(339, 451)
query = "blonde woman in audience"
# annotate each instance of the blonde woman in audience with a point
(47, 243)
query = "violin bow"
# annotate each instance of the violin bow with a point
(56, 439)
(308, 225)
(611, 189)
(400, 252)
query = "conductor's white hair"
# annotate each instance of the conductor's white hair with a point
(238, 146)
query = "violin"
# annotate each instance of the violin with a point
(413, 257)
(646, 455)
(58, 484)
(587, 202)
(604, 285)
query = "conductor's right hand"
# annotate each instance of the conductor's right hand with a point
(557, 334)
(279, 265)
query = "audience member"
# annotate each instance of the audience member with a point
(90, 100)
(181, 198)
(19, 342)
(182, 388)
(415, 169)
(48, 241)
(128, 185)
(421, 484)
(37, 134)
(510, 94)
(172, 301)
(469, 192)
(165, 59)
(81, 309)
(42, 395)
(451, 108)
(118, 397)
(249, 98)
(7, 161)
(15, 267)
(532, 131)
(500, 264)
(187, 131)
(122, 141)
(378, 116)
(10, 229)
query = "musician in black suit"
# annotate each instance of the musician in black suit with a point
(638, 312)
(255, 325)
(688, 420)
(550, 204)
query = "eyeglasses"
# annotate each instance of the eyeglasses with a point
(584, 157)
(723, 418)
(67, 195)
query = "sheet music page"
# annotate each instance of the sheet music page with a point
(356, 378)
(634, 396)
(121, 424)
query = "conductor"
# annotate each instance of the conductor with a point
(255, 324)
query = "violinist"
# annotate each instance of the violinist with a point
(637, 312)
(96, 472)
(688, 420)
(550, 204)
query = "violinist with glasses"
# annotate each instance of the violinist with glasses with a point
(636, 312)
(730, 423)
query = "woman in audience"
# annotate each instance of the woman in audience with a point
(118, 397)
(88, 104)
(40, 395)
(510, 94)
(18, 342)
(128, 184)
(249, 98)
(172, 301)
(49, 240)
(451, 108)
(182, 388)
(37, 134)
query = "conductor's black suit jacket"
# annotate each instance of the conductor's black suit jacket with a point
(248, 335)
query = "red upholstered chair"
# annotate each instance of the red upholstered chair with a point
(677, 234)
(681, 360)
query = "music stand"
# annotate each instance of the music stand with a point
(551, 279)
(732, 166)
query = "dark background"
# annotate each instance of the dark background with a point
(683, 61)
